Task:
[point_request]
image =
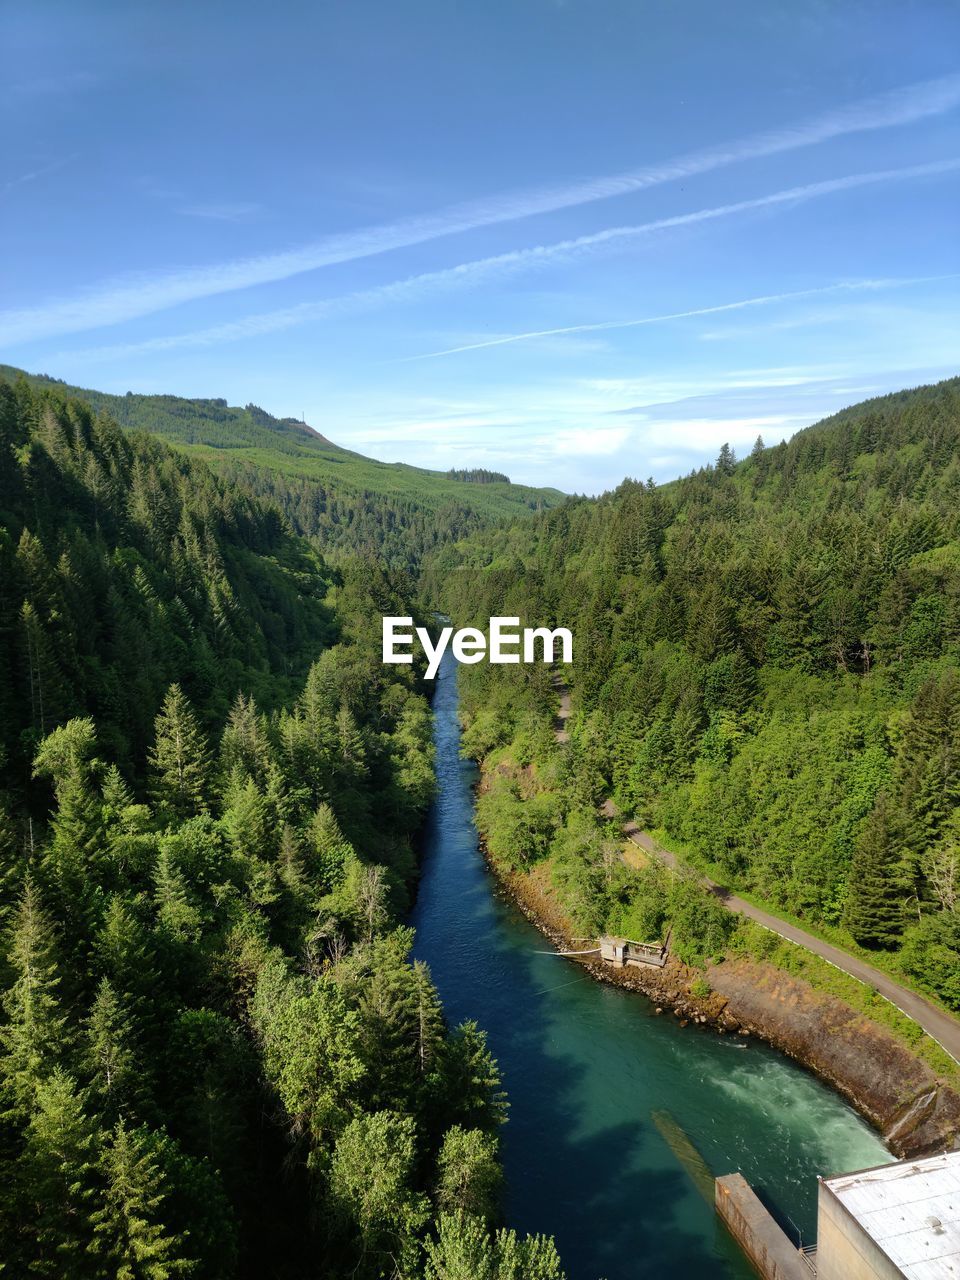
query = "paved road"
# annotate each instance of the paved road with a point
(939, 1025)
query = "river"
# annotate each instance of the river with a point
(607, 1100)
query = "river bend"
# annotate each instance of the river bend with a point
(618, 1117)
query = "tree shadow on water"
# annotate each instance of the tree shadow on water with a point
(618, 1201)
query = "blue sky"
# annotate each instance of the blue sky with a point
(570, 239)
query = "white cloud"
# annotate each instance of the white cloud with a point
(124, 299)
(705, 433)
(591, 441)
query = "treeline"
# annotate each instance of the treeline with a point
(766, 667)
(478, 475)
(216, 1057)
(344, 503)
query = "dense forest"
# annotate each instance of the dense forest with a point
(342, 502)
(766, 670)
(217, 1059)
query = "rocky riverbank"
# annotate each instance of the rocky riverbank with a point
(915, 1112)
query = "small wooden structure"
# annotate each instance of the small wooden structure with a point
(623, 951)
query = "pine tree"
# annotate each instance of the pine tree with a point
(245, 743)
(726, 461)
(175, 912)
(34, 1035)
(124, 952)
(75, 856)
(55, 1182)
(44, 680)
(180, 758)
(470, 1083)
(108, 1044)
(874, 909)
(331, 849)
(428, 1024)
(131, 1241)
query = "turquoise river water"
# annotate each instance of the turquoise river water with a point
(614, 1111)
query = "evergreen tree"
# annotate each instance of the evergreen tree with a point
(180, 759)
(875, 902)
(108, 1045)
(130, 1238)
(330, 849)
(726, 461)
(34, 1035)
(56, 1181)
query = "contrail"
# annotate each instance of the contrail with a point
(128, 298)
(480, 269)
(846, 286)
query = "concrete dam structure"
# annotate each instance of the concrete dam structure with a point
(897, 1221)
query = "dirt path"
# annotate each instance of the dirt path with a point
(939, 1025)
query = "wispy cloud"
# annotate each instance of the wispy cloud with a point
(128, 298)
(31, 175)
(518, 260)
(846, 286)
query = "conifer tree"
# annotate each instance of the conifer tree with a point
(330, 848)
(175, 912)
(245, 744)
(34, 1035)
(471, 1085)
(108, 1044)
(131, 1241)
(180, 758)
(45, 694)
(428, 1024)
(874, 908)
(124, 952)
(726, 460)
(76, 851)
(56, 1180)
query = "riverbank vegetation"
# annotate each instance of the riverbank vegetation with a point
(766, 667)
(217, 1059)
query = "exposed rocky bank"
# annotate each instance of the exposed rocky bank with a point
(916, 1113)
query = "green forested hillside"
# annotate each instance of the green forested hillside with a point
(126, 566)
(766, 668)
(340, 500)
(216, 1058)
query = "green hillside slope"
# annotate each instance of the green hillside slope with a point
(767, 667)
(340, 499)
